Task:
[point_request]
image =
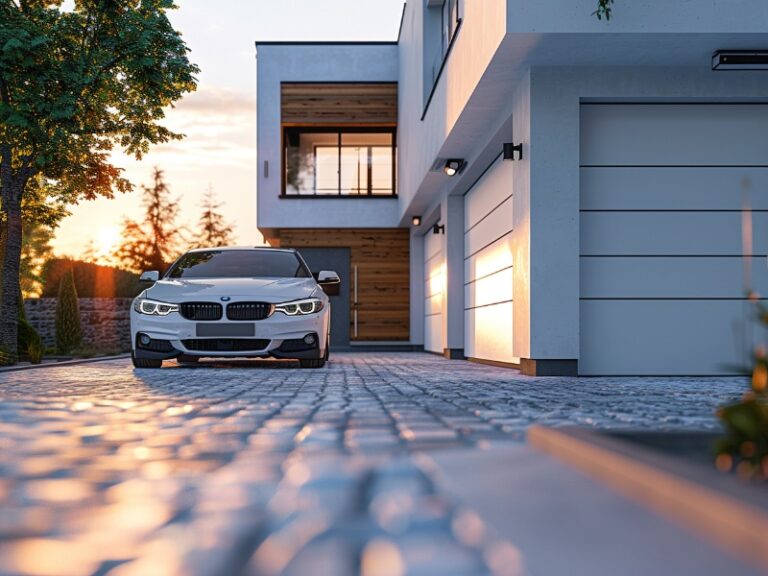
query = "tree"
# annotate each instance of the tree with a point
(213, 229)
(68, 331)
(604, 8)
(153, 244)
(73, 84)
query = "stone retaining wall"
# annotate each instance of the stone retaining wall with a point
(106, 322)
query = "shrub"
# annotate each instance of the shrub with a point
(35, 351)
(27, 336)
(68, 331)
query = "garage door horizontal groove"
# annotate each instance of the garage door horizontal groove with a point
(668, 298)
(671, 256)
(491, 211)
(673, 165)
(488, 275)
(486, 246)
(489, 304)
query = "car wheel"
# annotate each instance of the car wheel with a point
(312, 362)
(145, 362)
(186, 359)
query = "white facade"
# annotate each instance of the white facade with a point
(614, 246)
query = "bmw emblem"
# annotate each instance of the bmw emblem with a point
(225, 298)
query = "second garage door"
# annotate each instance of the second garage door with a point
(662, 272)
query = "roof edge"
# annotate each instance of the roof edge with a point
(326, 43)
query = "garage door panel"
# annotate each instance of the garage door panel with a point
(495, 257)
(490, 229)
(669, 233)
(434, 266)
(432, 246)
(488, 333)
(489, 290)
(433, 333)
(694, 337)
(433, 304)
(650, 277)
(673, 188)
(490, 191)
(674, 135)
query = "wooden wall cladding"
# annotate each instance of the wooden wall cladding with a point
(339, 104)
(382, 257)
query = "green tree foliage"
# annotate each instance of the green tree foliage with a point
(74, 83)
(213, 230)
(156, 242)
(91, 280)
(68, 331)
(604, 9)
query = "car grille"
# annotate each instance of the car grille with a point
(226, 344)
(248, 310)
(201, 311)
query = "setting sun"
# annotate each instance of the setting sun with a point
(106, 240)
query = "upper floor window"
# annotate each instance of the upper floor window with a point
(441, 24)
(323, 161)
(450, 22)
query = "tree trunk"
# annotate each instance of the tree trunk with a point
(9, 304)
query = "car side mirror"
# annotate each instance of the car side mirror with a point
(149, 276)
(329, 281)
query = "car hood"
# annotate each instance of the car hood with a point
(237, 289)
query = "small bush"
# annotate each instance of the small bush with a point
(68, 330)
(35, 351)
(6, 358)
(27, 336)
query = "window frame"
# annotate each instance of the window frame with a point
(339, 130)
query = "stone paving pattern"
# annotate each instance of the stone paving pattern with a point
(261, 468)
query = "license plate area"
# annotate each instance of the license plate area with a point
(238, 330)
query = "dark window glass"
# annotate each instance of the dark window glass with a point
(238, 264)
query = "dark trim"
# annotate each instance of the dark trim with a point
(531, 367)
(442, 67)
(325, 43)
(402, 20)
(496, 363)
(453, 353)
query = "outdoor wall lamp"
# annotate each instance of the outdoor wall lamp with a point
(438, 229)
(510, 148)
(454, 166)
(416, 220)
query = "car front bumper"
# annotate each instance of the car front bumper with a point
(280, 336)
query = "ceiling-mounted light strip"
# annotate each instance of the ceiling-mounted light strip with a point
(740, 60)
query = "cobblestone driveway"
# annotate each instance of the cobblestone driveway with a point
(262, 468)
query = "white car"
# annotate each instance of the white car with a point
(233, 302)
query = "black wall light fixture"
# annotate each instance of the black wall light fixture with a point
(510, 148)
(740, 60)
(454, 166)
(438, 229)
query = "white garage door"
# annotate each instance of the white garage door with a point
(488, 289)
(662, 281)
(434, 292)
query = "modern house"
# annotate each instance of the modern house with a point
(519, 183)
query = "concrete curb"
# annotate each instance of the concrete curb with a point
(64, 363)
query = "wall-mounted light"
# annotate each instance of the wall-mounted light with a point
(510, 148)
(454, 166)
(740, 60)
(416, 220)
(438, 229)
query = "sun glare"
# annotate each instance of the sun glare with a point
(106, 240)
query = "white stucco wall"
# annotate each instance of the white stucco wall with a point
(278, 63)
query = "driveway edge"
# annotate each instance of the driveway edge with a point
(63, 363)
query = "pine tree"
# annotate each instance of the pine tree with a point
(154, 243)
(68, 331)
(213, 229)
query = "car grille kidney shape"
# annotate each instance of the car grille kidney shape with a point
(248, 310)
(201, 311)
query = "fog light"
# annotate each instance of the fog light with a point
(145, 340)
(309, 339)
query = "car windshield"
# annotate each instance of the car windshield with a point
(238, 264)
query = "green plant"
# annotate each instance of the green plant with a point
(604, 8)
(27, 336)
(68, 331)
(35, 351)
(744, 447)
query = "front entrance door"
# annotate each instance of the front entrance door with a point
(336, 259)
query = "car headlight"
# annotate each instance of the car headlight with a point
(300, 307)
(154, 307)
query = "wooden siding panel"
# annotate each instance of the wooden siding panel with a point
(382, 257)
(339, 103)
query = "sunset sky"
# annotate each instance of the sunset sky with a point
(220, 118)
